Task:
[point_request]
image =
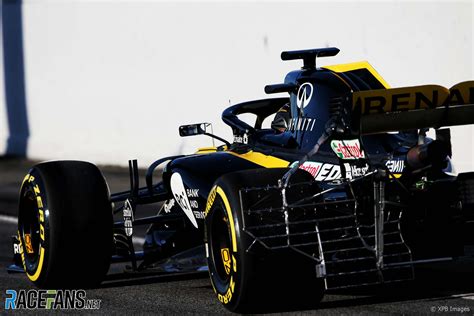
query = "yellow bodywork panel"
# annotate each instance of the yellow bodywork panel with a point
(206, 150)
(262, 160)
(358, 65)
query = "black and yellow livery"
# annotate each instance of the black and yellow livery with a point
(325, 199)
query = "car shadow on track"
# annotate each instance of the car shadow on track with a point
(150, 277)
(441, 283)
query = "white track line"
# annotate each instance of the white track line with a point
(9, 219)
(466, 296)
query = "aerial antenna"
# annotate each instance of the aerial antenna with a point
(309, 55)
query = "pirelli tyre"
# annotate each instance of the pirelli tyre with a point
(65, 225)
(253, 281)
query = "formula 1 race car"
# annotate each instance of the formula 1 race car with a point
(344, 189)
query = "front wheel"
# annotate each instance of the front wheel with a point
(65, 225)
(246, 281)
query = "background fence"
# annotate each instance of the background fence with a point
(107, 81)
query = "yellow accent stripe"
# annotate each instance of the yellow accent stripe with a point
(396, 175)
(22, 254)
(23, 182)
(231, 218)
(206, 150)
(35, 276)
(25, 179)
(262, 160)
(356, 66)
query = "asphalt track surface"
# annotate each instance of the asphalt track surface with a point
(442, 289)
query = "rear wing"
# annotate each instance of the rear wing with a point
(398, 109)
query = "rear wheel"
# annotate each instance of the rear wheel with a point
(65, 225)
(253, 281)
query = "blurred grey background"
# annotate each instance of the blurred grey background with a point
(107, 81)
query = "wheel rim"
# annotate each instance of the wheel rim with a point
(220, 243)
(29, 227)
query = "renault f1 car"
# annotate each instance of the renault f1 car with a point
(344, 190)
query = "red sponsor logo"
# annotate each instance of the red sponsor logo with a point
(347, 149)
(312, 167)
(322, 171)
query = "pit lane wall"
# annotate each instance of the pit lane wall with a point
(107, 81)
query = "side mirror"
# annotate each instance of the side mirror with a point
(193, 129)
